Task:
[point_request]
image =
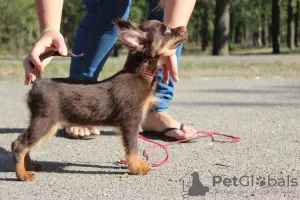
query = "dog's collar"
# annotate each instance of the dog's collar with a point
(150, 74)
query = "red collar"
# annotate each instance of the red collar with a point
(150, 74)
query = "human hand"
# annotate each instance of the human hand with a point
(169, 66)
(48, 40)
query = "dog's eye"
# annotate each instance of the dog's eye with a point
(167, 31)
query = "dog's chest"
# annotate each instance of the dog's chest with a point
(149, 102)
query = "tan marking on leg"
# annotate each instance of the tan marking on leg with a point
(21, 172)
(136, 165)
(25, 163)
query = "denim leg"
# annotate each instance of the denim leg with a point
(163, 91)
(96, 36)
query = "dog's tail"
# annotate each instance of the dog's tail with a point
(50, 53)
(54, 52)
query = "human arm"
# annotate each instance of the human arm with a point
(176, 13)
(49, 16)
(49, 13)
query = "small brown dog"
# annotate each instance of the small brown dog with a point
(120, 101)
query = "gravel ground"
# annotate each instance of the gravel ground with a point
(265, 164)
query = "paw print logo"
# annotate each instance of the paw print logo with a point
(261, 181)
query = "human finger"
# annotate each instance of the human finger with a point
(37, 50)
(60, 45)
(165, 73)
(172, 67)
(29, 73)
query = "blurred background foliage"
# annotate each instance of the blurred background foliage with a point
(249, 24)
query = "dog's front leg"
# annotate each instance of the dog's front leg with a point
(135, 164)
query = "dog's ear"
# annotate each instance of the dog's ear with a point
(126, 24)
(135, 40)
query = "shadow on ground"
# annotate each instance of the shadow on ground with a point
(11, 130)
(6, 165)
(59, 133)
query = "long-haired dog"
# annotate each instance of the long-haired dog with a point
(120, 101)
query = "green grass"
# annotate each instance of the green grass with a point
(263, 51)
(13, 70)
(239, 69)
(196, 50)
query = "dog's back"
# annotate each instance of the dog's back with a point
(90, 103)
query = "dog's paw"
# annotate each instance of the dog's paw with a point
(26, 176)
(141, 167)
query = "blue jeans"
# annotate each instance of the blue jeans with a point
(96, 36)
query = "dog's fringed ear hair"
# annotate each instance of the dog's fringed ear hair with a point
(126, 24)
(131, 35)
(134, 40)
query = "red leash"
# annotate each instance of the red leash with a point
(163, 146)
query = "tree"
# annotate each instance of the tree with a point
(204, 13)
(18, 27)
(239, 21)
(265, 18)
(204, 27)
(221, 29)
(290, 25)
(275, 27)
(297, 22)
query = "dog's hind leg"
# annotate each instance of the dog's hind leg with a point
(38, 129)
(19, 150)
(30, 165)
(130, 141)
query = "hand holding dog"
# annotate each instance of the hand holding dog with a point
(169, 66)
(48, 40)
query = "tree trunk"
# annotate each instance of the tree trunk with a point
(275, 26)
(237, 34)
(265, 31)
(245, 37)
(19, 43)
(221, 30)
(265, 35)
(204, 27)
(255, 39)
(291, 26)
(296, 34)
